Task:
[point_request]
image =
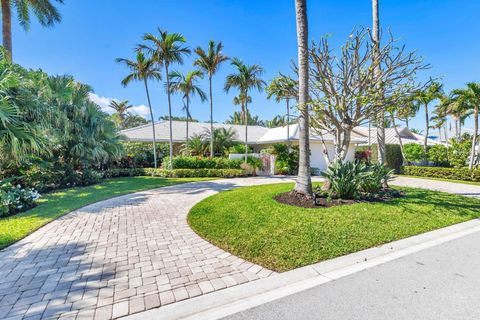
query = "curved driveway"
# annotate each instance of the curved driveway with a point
(129, 254)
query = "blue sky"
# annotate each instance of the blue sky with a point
(94, 33)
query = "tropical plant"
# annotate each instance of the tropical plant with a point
(196, 145)
(223, 139)
(376, 178)
(255, 163)
(425, 97)
(165, 50)
(413, 152)
(209, 61)
(133, 120)
(344, 178)
(286, 160)
(470, 96)
(143, 69)
(121, 111)
(283, 88)
(238, 119)
(187, 86)
(46, 13)
(459, 151)
(438, 154)
(277, 121)
(246, 78)
(14, 198)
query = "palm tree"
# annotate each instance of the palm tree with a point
(186, 84)
(471, 96)
(44, 10)
(209, 62)
(433, 92)
(283, 88)
(143, 69)
(277, 121)
(303, 184)
(166, 49)
(246, 79)
(241, 100)
(459, 110)
(121, 110)
(238, 118)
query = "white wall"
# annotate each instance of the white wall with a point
(317, 159)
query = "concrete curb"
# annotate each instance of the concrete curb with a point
(239, 298)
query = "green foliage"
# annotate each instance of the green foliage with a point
(438, 154)
(175, 173)
(255, 163)
(182, 162)
(393, 155)
(14, 198)
(286, 160)
(376, 178)
(139, 155)
(239, 148)
(345, 178)
(443, 173)
(413, 152)
(458, 152)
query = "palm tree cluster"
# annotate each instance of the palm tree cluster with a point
(50, 119)
(122, 117)
(200, 144)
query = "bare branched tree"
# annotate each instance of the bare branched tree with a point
(347, 90)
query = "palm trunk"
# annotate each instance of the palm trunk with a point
(400, 142)
(153, 126)
(169, 117)
(376, 63)
(288, 121)
(246, 128)
(7, 28)
(211, 117)
(188, 116)
(474, 138)
(427, 126)
(303, 184)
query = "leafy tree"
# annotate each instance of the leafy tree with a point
(186, 85)
(459, 151)
(143, 69)
(209, 61)
(165, 50)
(283, 88)
(44, 10)
(246, 78)
(121, 111)
(413, 152)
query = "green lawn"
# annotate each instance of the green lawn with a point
(440, 179)
(54, 205)
(248, 223)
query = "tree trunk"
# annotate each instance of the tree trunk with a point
(169, 117)
(474, 138)
(153, 125)
(7, 28)
(211, 117)
(400, 142)
(188, 116)
(303, 184)
(246, 127)
(376, 64)
(427, 126)
(288, 122)
(406, 123)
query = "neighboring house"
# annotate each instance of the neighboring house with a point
(258, 137)
(391, 136)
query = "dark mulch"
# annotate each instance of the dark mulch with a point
(294, 198)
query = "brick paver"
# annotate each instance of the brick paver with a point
(118, 257)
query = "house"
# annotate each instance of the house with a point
(258, 137)
(391, 136)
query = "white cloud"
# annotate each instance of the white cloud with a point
(104, 103)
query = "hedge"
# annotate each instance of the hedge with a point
(393, 155)
(175, 173)
(181, 162)
(444, 173)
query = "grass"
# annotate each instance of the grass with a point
(440, 179)
(56, 204)
(248, 223)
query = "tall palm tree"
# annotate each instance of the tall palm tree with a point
(283, 88)
(187, 85)
(209, 62)
(376, 64)
(303, 184)
(471, 96)
(245, 79)
(143, 69)
(44, 10)
(239, 118)
(460, 110)
(433, 92)
(121, 110)
(166, 49)
(241, 100)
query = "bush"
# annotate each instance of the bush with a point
(175, 173)
(239, 148)
(345, 178)
(393, 155)
(182, 162)
(140, 155)
(15, 199)
(413, 152)
(376, 178)
(444, 173)
(459, 152)
(255, 163)
(286, 160)
(438, 154)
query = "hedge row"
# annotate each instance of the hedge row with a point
(181, 162)
(444, 173)
(175, 173)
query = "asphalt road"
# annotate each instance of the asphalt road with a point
(442, 282)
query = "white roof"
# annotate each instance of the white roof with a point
(391, 136)
(256, 134)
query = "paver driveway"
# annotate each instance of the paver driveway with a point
(119, 257)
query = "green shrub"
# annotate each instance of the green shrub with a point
(444, 173)
(255, 163)
(459, 152)
(376, 178)
(239, 148)
(140, 155)
(345, 178)
(175, 173)
(438, 154)
(286, 158)
(182, 162)
(14, 199)
(413, 152)
(393, 155)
